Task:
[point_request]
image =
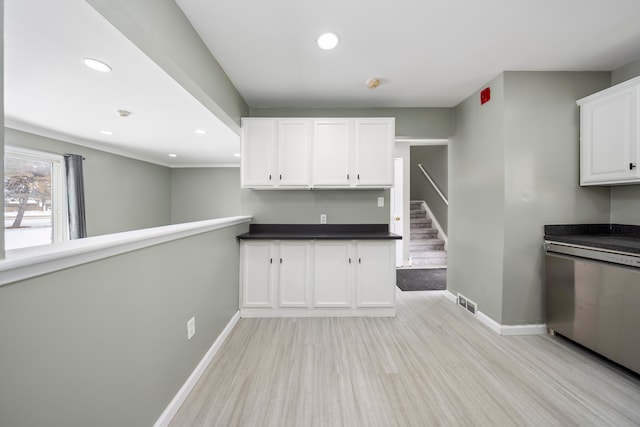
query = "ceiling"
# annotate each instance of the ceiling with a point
(49, 91)
(427, 53)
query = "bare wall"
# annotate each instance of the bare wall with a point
(204, 193)
(541, 152)
(105, 343)
(419, 123)
(306, 206)
(476, 201)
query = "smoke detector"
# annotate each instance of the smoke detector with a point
(373, 83)
(123, 113)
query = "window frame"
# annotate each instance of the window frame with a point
(59, 208)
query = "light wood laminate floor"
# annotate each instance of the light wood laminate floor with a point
(433, 364)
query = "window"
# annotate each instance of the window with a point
(34, 198)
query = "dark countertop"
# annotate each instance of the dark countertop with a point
(615, 237)
(318, 232)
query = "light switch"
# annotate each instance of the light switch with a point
(380, 202)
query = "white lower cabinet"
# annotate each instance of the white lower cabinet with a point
(332, 274)
(375, 270)
(317, 278)
(256, 272)
(294, 270)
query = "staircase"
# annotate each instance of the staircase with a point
(427, 249)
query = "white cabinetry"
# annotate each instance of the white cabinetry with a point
(332, 274)
(610, 135)
(346, 153)
(317, 278)
(256, 274)
(294, 273)
(375, 270)
(374, 150)
(353, 152)
(275, 153)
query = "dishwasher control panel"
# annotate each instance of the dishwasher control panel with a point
(632, 260)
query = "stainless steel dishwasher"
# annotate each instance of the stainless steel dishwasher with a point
(593, 298)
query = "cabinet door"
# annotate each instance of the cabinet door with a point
(375, 278)
(295, 274)
(258, 152)
(609, 138)
(331, 274)
(294, 141)
(257, 274)
(331, 147)
(374, 148)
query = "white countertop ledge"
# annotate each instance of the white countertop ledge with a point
(20, 264)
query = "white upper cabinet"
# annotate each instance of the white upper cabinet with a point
(353, 152)
(610, 135)
(332, 152)
(275, 153)
(294, 144)
(258, 152)
(374, 148)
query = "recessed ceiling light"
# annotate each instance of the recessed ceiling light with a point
(173, 155)
(106, 132)
(94, 64)
(236, 155)
(328, 41)
(201, 131)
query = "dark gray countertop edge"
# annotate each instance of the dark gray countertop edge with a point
(614, 237)
(319, 232)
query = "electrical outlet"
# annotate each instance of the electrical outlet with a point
(381, 202)
(323, 218)
(191, 328)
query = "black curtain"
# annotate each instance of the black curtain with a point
(75, 196)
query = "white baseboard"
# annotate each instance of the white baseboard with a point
(318, 312)
(505, 330)
(175, 404)
(539, 329)
(451, 297)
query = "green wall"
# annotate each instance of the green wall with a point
(434, 159)
(541, 151)
(306, 206)
(121, 194)
(105, 343)
(204, 193)
(476, 202)
(416, 123)
(514, 167)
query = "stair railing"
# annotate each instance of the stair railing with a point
(433, 184)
